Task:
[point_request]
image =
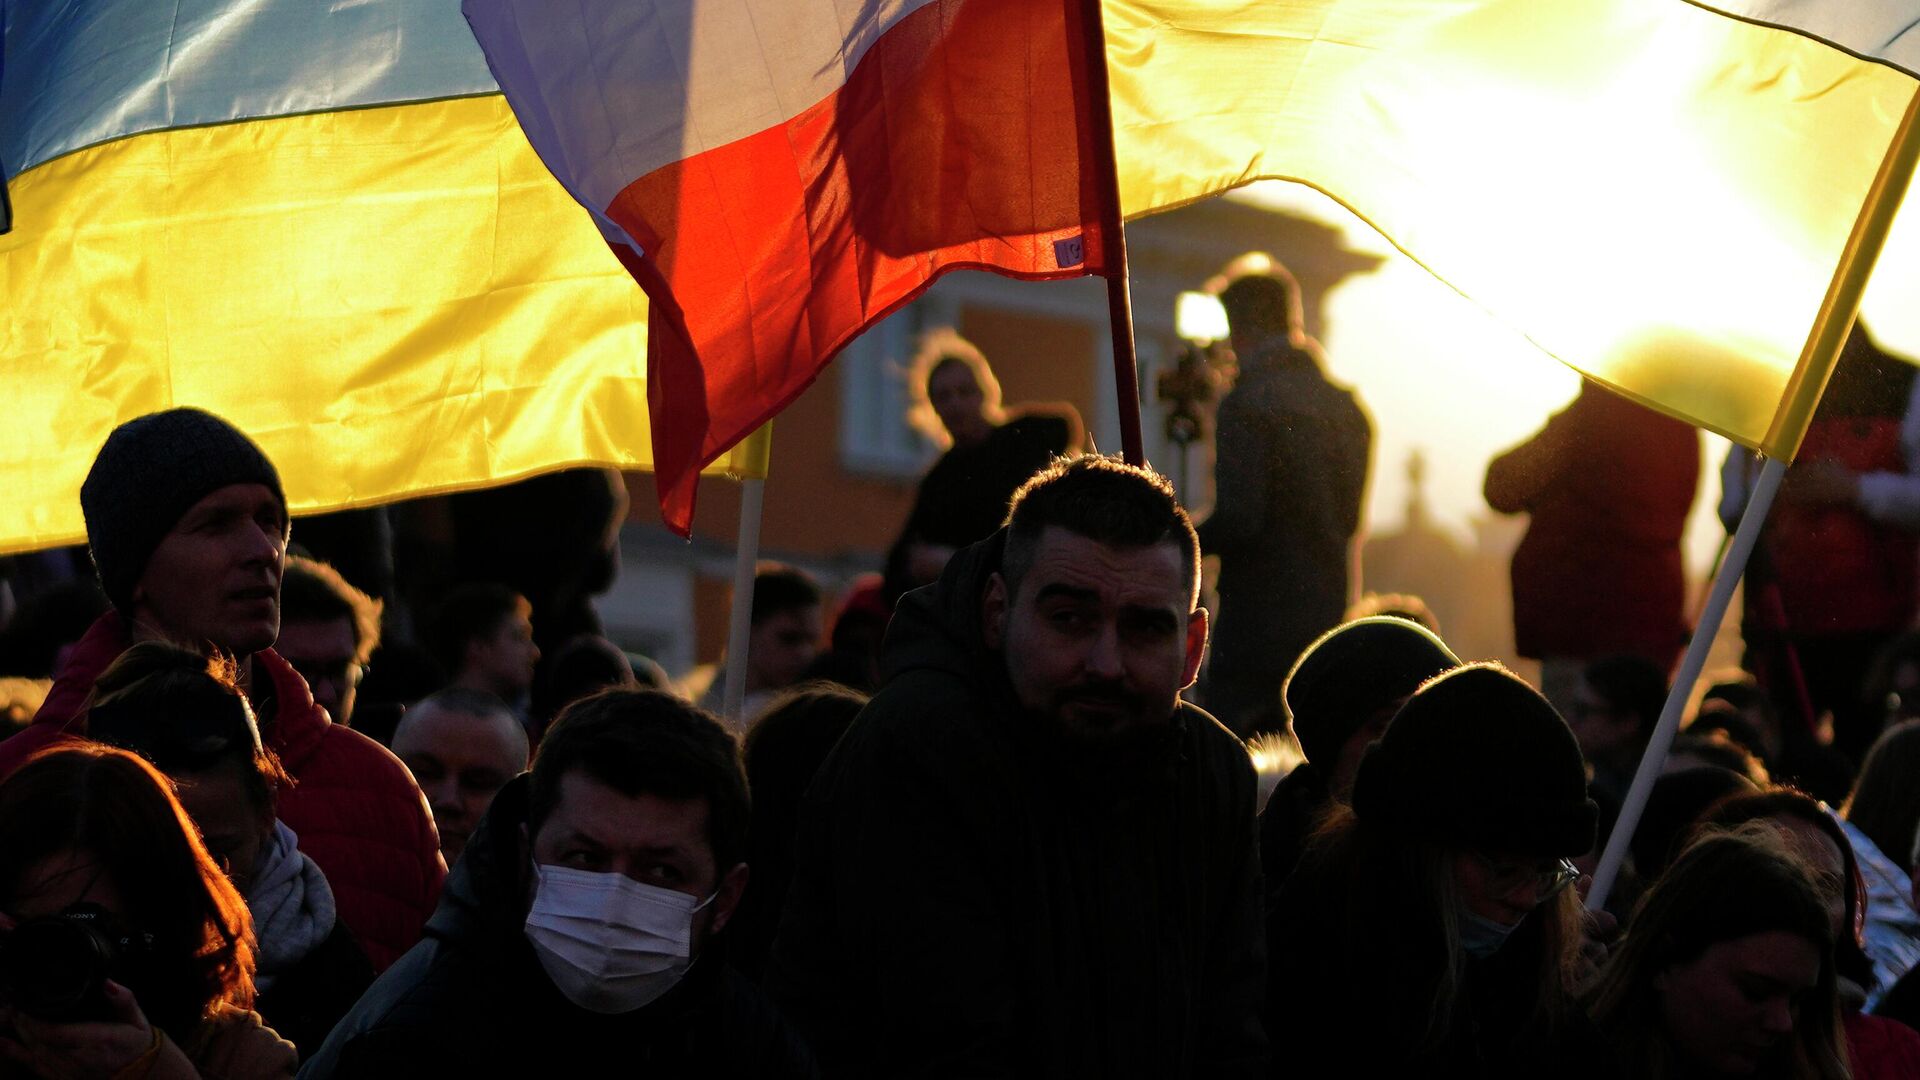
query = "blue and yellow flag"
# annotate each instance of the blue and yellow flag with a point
(318, 220)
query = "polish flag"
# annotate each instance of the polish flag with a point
(780, 175)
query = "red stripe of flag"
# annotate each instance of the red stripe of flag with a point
(962, 139)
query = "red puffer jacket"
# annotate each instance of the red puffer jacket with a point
(355, 808)
(1881, 1049)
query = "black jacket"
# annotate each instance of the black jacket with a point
(472, 1000)
(964, 497)
(1355, 960)
(974, 899)
(1292, 452)
(308, 999)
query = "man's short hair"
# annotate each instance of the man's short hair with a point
(1263, 304)
(1631, 684)
(461, 699)
(779, 588)
(468, 613)
(644, 742)
(313, 591)
(1105, 500)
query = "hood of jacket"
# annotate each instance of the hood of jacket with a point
(939, 626)
(291, 723)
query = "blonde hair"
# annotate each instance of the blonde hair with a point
(937, 348)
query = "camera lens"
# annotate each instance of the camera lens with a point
(52, 968)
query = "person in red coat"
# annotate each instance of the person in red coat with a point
(188, 529)
(1608, 484)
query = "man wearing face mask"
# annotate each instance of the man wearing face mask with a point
(575, 930)
(1028, 857)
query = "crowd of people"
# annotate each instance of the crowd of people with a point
(989, 816)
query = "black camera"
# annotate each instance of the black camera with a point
(56, 967)
(1192, 383)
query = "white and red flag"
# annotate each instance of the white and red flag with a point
(781, 174)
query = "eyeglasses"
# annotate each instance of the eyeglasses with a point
(1546, 882)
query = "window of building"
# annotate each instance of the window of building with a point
(875, 438)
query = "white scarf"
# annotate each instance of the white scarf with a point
(291, 904)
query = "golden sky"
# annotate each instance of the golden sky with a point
(1442, 376)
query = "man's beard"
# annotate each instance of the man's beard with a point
(1104, 714)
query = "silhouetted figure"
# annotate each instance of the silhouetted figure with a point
(1430, 928)
(1834, 577)
(1615, 706)
(852, 658)
(990, 452)
(482, 637)
(1290, 474)
(584, 666)
(329, 631)
(1607, 484)
(1029, 857)
(554, 539)
(1339, 698)
(784, 749)
(783, 639)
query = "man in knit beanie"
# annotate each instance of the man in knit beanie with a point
(188, 526)
(1338, 698)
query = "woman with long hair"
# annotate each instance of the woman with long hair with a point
(1876, 1046)
(1430, 927)
(92, 836)
(184, 713)
(1727, 969)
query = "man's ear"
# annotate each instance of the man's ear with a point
(726, 898)
(1196, 646)
(993, 612)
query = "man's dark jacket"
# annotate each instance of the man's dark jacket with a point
(1290, 473)
(974, 897)
(472, 1000)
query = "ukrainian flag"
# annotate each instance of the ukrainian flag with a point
(1653, 192)
(319, 220)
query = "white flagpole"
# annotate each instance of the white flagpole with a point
(1809, 380)
(746, 556)
(1651, 762)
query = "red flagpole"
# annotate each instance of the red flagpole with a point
(1126, 370)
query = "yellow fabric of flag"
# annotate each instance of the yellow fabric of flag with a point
(392, 301)
(1656, 194)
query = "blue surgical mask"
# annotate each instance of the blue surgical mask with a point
(1481, 936)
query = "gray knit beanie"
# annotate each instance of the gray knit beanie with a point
(151, 471)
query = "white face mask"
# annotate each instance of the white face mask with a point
(609, 943)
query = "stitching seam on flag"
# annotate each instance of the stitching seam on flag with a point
(1789, 28)
(63, 155)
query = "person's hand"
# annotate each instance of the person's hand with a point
(1598, 931)
(1822, 483)
(79, 1050)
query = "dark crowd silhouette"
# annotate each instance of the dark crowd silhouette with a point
(374, 793)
